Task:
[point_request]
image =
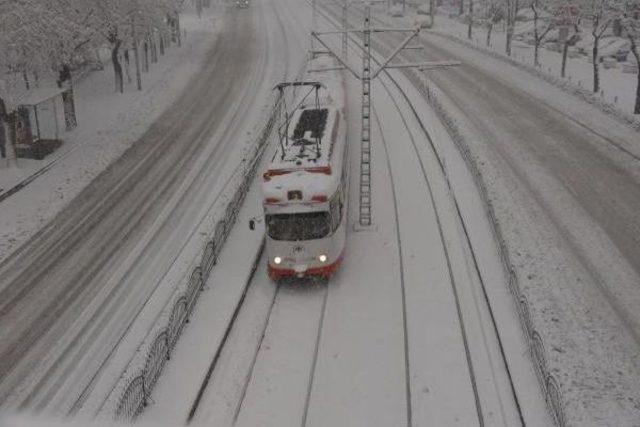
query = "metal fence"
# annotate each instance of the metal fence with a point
(136, 391)
(136, 394)
(548, 383)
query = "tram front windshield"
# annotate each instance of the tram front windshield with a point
(298, 226)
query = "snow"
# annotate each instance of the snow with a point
(577, 282)
(21, 420)
(349, 352)
(418, 324)
(303, 170)
(109, 123)
(617, 87)
(242, 118)
(109, 328)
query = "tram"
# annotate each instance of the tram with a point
(305, 187)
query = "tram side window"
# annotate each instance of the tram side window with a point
(336, 211)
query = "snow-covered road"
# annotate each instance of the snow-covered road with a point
(68, 295)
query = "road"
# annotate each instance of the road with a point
(70, 293)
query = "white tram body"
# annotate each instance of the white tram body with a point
(305, 187)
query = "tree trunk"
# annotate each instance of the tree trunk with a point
(565, 50)
(64, 74)
(636, 54)
(470, 28)
(636, 109)
(4, 138)
(161, 44)
(98, 59)
(432, 4)
(10, 133)
(489, 30)
(154, 48)
(536, 40)
(596, 70)
(136, 53)
(199, 8)
(127, 65)
(461, 12)
(117, 67)
(179, 31)
(512, 11)
(25, 77)
(146, 55)
(69, 106)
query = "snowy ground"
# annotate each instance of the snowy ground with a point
(109, 123)
(418, 326)
(617, 87)
(402, 335)
(77, 289)
(563, 181)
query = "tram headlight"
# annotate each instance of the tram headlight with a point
(322, 258)
(277, 260)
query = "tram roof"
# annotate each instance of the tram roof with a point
(309, 154)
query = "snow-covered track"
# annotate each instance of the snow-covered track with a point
(388, 82)
(551, 169)
(291, 370)
(463, 332)
(255, 281)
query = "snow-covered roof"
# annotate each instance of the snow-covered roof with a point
(15, 94)
(308, 160)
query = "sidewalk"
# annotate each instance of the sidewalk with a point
(109, 123)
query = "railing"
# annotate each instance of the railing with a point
(548, 383)
(132, 393)
(136, 392)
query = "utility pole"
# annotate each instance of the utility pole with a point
(345, 24)
(314, 25)
(366, 75)
(365, 133)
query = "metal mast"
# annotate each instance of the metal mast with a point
(314, 26)
(345, 35)
(366, 75)
(365, 140)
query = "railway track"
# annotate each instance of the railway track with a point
(454, 286)
(390, 84)
(255, 281)
(258, 374)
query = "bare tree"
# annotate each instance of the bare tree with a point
(601, 13)
(539, 33)
(470, 21)
(631, 25)
(512, 7)
(492, 14)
